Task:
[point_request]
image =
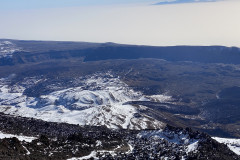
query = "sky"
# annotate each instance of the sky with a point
(142, 22)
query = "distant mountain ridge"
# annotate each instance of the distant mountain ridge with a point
(42, 51)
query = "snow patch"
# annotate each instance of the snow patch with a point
(7, 49)
(100, 99)
(233, 144)
(28, 153)
(98, 143)
(92, 154)
(21, 138)
(182, 139)
(159, 98)
(192, 147)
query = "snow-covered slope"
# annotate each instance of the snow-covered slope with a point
(99, 99)
(233, 144)
(7, 49)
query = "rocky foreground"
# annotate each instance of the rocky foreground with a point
(66, 141)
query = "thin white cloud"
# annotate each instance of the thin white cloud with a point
(166, 2)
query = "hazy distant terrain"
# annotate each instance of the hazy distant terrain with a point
(200, 80)
(121, 87)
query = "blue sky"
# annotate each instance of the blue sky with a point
(134, 22)
(39, 4)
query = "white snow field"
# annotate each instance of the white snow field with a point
(100, 99)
